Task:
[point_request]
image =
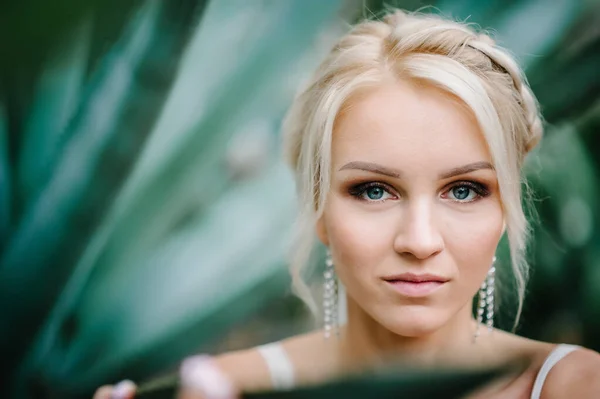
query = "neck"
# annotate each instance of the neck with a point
(364, 341)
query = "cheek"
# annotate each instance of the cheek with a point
(360, 238)
(472, 240)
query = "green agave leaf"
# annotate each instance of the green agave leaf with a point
(176, 169)
(46, 221)
(56, 98)
(198, 90)
(178, 182)
(531, 28)
(5, 178)
(126, 91)
(71, 176)
(413, 386)
(394, 383)
(31, 30)
(178, 288)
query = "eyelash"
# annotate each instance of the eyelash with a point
(359, 190)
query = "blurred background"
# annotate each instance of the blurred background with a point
(146, 214)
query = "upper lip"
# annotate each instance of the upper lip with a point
(416, 278)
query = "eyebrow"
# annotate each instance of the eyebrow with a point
(461, 170)
(395, 173)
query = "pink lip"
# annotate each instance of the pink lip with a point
(416, 285)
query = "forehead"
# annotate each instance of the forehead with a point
(408, 125)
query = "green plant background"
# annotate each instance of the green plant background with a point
(145, 212)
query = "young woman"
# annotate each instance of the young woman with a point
(407, 147)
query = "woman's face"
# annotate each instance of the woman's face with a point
(413, 216)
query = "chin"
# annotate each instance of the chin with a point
(413, 321)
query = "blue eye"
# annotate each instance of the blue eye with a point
(371, 192)
(461, 193)
(467, 192)
(374, 193)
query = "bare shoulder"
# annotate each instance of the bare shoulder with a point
(509, 346)
(248, 370)
(575, 376)
(314, 358)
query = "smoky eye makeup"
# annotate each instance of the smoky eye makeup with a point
(460, 191)
(465, 191)
(372, 191)
(480, 188)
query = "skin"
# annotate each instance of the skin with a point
(431, 205)
(419, 225)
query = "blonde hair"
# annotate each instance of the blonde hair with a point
(448, 54)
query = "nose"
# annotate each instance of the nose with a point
(418, 234)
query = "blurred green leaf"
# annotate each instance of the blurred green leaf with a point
(30, 30)
(57, 96)
(531, 28)
(177, 286)
(5, 178)
(192, 148)
(47, 220)
(451, 385)
(394, 383)
(114, 118)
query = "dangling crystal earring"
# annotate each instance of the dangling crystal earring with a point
(486, 301)
(330, 296)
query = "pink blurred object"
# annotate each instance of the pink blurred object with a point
(200, 373)
(123, 390)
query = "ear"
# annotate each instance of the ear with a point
(321, 230)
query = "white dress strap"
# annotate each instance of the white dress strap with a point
(280, 366)
(554, 357)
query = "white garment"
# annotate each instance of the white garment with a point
(557, 354)
(279, 365)
(282, 369)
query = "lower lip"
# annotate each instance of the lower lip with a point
(416, 289)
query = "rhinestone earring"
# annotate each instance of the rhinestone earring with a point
(486, 301)
(330, 299)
